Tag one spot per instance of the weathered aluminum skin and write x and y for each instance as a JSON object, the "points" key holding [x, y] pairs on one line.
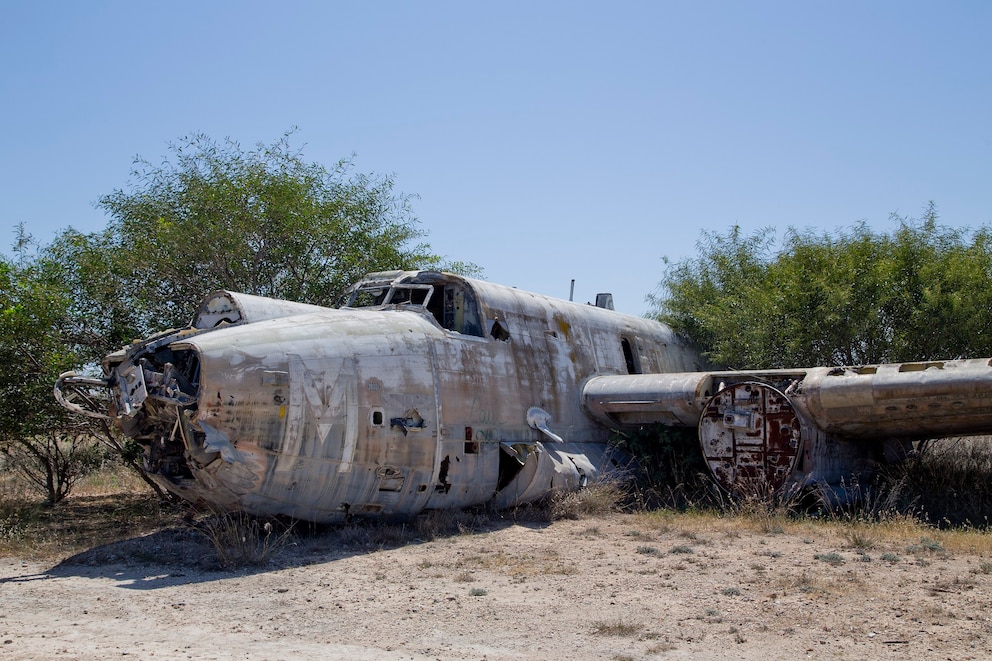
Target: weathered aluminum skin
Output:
{"points": [[425, 390], [429, 390]]}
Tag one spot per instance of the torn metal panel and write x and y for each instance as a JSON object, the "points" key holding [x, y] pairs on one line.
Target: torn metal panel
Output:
{"points": [[546, 466]]}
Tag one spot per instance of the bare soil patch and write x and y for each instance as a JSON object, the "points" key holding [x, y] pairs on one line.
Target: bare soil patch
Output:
{"points": [[614, 586]]}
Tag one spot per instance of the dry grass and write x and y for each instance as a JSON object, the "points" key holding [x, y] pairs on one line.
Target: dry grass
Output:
{"points": [[947, 483], [113, 504], [861, 536], [617, 627], [517, 564], [597, 498], [896, 532], [240, 539], [807, 583], [107, 506]]}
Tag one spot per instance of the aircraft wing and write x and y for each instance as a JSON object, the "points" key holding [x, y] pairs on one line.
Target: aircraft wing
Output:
{"points": [[807, 425]]}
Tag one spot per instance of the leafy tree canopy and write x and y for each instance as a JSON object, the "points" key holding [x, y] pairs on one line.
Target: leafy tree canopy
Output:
{"points": [[37, 342], [216, 216], [922, 291], [41, 336]]}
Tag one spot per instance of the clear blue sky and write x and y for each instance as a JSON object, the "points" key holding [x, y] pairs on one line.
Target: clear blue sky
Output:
{"points": [[546, 140]]}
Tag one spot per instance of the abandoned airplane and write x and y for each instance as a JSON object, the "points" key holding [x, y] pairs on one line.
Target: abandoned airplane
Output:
{"points": [[426, 390]]}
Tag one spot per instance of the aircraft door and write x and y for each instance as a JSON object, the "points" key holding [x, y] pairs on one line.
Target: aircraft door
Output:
{"points": [[401, 419]]}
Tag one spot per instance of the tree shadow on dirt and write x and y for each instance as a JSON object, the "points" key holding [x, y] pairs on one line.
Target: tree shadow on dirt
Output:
{"points": [[181, 555]]}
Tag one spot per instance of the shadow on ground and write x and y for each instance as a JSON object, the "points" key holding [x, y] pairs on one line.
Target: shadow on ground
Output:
{"points": [[179, 555]]}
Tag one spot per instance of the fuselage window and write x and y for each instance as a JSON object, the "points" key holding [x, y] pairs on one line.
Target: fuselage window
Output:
{"points": [[409, 295], [629, 357]]}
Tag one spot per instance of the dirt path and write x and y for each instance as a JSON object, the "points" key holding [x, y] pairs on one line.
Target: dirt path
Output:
{"points": [[614, 587]]}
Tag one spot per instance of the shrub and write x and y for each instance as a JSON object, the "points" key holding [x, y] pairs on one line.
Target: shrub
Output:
{"points": [[945, 482]]}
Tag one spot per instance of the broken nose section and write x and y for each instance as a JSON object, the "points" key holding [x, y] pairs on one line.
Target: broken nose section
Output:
{"points": [[83, 395], [151, 391], [123, 393]]}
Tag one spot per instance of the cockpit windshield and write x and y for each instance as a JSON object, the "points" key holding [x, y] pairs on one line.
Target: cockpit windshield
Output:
{"points": [[449, 300], [398, 294], [365, 298]]}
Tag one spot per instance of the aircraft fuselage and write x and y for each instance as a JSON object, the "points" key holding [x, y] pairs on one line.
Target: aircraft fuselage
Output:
{"points": [[425, 390]]}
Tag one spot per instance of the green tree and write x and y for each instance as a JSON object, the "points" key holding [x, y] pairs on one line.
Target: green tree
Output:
{"points": [[37, 437], [215, 216], [920, 292], [710, 297]]}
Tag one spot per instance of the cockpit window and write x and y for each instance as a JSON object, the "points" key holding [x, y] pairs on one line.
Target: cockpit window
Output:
{"points": [[409, 294], [364, 298], [452, 304], [396, 295]]}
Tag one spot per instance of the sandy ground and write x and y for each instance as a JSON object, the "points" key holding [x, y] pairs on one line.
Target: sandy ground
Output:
{"points": [[610, 587]]}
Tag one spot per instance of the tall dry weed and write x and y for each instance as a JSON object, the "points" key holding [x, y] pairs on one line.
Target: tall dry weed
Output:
{"points": [[241, 539]]}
